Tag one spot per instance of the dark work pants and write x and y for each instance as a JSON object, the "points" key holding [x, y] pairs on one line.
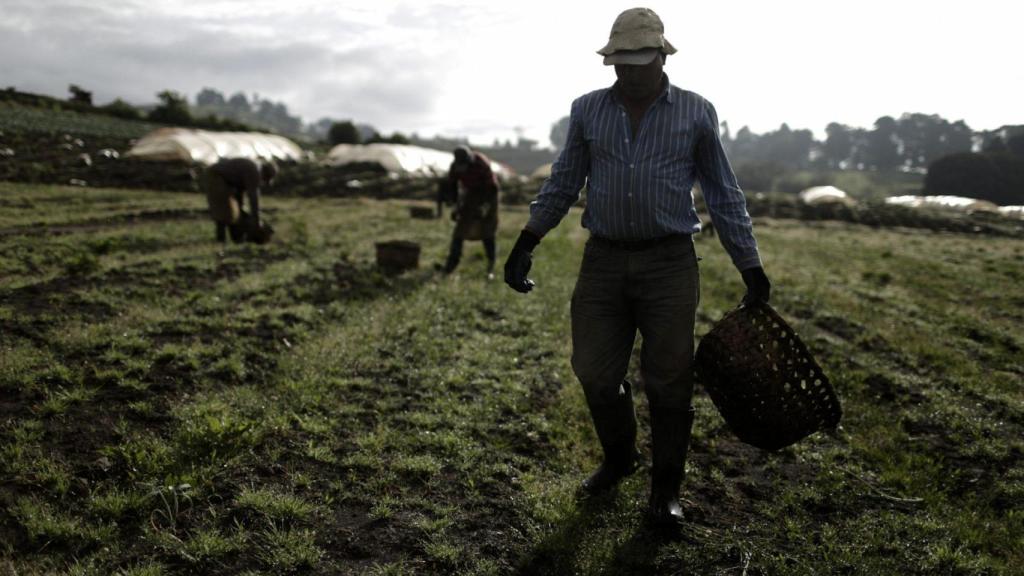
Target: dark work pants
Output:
{"points": [[455, 253], [619, 292], [235, 231]]}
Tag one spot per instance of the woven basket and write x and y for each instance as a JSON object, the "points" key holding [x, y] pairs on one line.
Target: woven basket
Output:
{"points": [[763, 380], [422, 212], [397, 256]]}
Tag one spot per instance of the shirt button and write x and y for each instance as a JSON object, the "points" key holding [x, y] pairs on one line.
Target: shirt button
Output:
{"points": [[627, 140], [630, 194], [630, 165]]}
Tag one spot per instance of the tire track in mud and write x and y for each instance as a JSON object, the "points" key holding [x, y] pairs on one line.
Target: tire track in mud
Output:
{"points": [[93, 224]]}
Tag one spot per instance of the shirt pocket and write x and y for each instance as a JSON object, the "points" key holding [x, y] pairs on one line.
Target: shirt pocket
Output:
{"points": [[672, 156], [606, 142]]}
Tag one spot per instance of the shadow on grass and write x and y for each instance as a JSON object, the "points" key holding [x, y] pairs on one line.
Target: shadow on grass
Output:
{"points": [[595, 521]]}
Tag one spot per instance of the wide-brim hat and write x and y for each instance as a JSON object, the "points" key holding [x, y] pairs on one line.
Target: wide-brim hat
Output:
{"points": [[634, 32], [632, 57]]}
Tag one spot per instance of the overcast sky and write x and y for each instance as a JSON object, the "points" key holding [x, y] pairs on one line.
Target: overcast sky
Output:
{"points": [[494, 69]]}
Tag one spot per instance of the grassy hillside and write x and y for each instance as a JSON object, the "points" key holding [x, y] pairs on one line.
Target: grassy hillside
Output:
{"points": [[167, 409]]}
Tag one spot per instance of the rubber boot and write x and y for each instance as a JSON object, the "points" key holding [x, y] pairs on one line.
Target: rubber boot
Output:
{"points": [[670, 439], [615, 423]]}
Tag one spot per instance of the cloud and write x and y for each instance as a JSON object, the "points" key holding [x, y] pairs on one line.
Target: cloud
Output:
{"points": [[123, 50]]}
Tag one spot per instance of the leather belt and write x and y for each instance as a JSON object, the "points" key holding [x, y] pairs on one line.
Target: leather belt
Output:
{"points": [[637, 245]]}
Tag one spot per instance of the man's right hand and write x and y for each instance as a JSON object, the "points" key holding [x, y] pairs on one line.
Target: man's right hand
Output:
{"points": [[759, 289], [519, 261]]}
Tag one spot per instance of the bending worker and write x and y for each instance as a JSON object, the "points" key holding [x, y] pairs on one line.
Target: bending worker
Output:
{"points": [[639, 146], [476, 213], [226, 184]]}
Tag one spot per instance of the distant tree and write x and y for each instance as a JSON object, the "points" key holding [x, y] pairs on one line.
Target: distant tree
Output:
{"points": [[859, 144], [801, 142], [318, 130], [559, 132], [239, 104], [956, 137], [883, 145], [783, 147], [786, 147], [257, 113], [926, 137], [173, 109], [838, 147], [343, 133], [275, 116], [366, 132], [758, 176], [208, 97], [122, 109], [743, 148], [79, 95]]}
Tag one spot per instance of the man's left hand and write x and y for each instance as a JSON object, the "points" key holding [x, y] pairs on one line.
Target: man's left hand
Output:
{"points": [[759, 289]]}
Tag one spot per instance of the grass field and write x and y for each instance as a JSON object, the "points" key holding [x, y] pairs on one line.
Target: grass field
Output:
{"points": [[286, 409]]}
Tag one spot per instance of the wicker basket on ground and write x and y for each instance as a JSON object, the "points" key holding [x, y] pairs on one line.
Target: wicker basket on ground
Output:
{"points": [[397, 256], [422, 212], [763, 380]]}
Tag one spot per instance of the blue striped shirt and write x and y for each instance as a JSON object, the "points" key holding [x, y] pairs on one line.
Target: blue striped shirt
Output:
{"points": [[639, 188]]}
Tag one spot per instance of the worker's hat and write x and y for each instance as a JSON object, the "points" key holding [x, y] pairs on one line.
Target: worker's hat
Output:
{"points": [[637, 37]]}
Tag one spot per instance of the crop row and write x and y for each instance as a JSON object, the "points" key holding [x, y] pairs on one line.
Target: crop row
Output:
{"points": [[15, 118]]}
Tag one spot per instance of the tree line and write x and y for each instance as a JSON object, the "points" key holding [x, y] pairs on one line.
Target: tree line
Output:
{"points": [[910, 143]]}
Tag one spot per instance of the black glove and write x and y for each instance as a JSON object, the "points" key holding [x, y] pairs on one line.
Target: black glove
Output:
{"points": [[759, 289], [519, 260]]}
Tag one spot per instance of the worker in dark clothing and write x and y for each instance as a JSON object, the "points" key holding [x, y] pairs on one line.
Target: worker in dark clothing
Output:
{"points": [[476, 212], [227, 184], [639, 146], [447, 194]]}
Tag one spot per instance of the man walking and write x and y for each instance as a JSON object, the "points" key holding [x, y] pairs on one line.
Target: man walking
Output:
{"points": [[639, 147]]}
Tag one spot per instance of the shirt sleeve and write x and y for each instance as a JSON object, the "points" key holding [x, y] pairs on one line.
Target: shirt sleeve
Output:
{"points": [[723, 196], [568, 175]]}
